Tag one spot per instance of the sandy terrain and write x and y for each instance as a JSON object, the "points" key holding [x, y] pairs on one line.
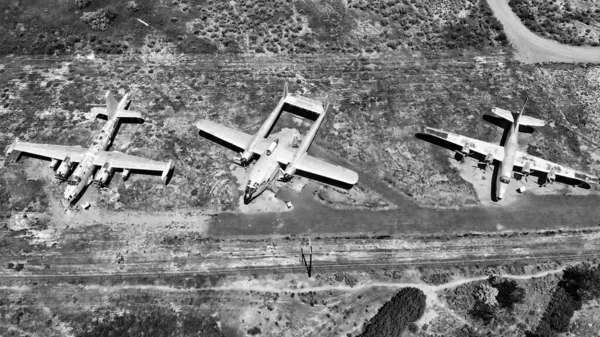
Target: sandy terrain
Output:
{"points": [[532, 48]]}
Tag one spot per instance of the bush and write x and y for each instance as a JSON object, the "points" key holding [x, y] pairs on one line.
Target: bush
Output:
{"points": [[509, 292], [397, 314], [99, 19], [579, 283], [82, 3]]}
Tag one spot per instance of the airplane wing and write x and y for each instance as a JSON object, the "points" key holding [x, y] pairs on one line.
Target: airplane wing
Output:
{"points": [[312, 165], [234, 137], [128, 162], [308, 164], [563, 174], [59, 152], [461, 142]]}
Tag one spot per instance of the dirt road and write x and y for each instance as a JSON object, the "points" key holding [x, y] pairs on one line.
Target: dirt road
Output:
{"points": [[532, 48]]}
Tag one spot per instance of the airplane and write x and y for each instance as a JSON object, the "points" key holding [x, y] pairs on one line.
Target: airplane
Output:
{"points": [[273, 153], [96, 158], [510, 159]]}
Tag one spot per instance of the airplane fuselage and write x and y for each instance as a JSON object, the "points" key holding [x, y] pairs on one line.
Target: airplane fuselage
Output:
{"points": [[83, 174], [507, 164], [262, 173]]}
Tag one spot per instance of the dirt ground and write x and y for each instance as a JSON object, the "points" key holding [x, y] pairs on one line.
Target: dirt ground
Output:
{"points": [[532, 48], [191, 258]]}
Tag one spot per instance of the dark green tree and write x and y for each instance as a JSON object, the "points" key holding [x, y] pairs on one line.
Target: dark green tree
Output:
{"points": [[395, 316]]}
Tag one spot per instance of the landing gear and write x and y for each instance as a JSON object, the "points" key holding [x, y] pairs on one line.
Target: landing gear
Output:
{"points": [[526, 170], [489, 160], [550, 178], [464, 152]]}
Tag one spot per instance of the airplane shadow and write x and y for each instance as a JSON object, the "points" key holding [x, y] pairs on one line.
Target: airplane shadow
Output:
{"points": [[144, 172], [219, 141], [300, 112], [453, 147], [504, 124], [324, 180]]}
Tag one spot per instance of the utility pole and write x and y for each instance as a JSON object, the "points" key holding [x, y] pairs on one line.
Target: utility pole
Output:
{"points": [[307, 265]]}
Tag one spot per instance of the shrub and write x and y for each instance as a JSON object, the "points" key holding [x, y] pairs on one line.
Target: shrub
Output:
{"points": [[82, 3], [99, 19], [509, 292], [397, 314]]}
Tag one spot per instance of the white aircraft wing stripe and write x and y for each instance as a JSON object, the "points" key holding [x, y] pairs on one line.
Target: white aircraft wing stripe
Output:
{"points": [[59, 152], [234, 137], [479, 146], [126, 161], [321, 168]]}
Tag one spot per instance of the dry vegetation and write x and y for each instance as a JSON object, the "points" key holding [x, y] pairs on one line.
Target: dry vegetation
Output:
{"points": [[290, 304], [255, 27], [574, 22]]}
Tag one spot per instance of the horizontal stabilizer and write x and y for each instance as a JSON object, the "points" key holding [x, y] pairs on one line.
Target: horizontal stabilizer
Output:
{"points": [[120, 113], [530, 121], [167, 170], [504, 114], [304, 103], [523, 120]]}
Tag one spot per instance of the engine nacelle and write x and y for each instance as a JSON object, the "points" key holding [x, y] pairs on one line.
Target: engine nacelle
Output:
{"points": [[53, 164], [272, 147], [289, 172], [551, 176], [295, 142], [245, 157], [526, 170], [103, 175], [125, 174], [464, 152], [63, 171]]}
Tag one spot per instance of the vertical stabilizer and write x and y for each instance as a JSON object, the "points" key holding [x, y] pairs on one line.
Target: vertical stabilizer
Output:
{"points": [[517, 116], [326, 105], [285, 90], [124, 103], [111, 105]]}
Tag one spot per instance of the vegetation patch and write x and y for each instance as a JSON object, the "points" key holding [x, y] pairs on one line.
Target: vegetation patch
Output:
{"points": [[574, 22], [407, 306], [580, 283], [256, 27]]}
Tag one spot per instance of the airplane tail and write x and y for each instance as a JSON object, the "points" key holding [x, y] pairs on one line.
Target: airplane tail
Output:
{"points": [[518, 117], [117, 110], [111, 105]]}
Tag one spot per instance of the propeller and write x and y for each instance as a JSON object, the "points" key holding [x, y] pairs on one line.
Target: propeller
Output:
{"points": [[285, 177], [489, 159]]}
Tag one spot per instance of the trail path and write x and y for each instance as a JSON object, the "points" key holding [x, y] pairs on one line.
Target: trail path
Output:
{"points": [[532, 48], [434, 304], [277, 286]]}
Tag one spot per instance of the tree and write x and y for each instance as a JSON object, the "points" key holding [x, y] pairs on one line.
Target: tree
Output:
{"points": [[395, 316], [485, 302], [509, 292]]}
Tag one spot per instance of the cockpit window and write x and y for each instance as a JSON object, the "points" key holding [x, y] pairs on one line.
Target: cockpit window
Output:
{"points": [[74, 181], [504, 180]]}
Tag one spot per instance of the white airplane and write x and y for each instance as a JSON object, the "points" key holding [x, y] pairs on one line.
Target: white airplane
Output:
{"points": [[95, 156], [273, 154], [510, 159]]}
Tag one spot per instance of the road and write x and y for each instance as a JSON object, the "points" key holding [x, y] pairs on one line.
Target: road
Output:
{"points": [[532, 48], [252, 256]]}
